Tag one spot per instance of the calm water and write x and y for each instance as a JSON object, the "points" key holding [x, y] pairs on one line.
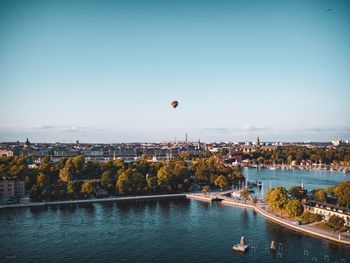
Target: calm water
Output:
{"points": [[286, 178], [157, 231]]}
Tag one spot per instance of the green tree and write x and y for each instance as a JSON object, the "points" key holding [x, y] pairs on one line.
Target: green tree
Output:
{"points": [[245, 194], [108, 181], [342, 192], [308, 217], [320, 195], [164, 178], [277, 198], [151, 184], [294, 207], [296, 192], [221, 182], [335, 222], [130, 181]]}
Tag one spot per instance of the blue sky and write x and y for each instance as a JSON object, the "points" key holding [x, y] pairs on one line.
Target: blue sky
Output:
{"points": [[106, 71]]}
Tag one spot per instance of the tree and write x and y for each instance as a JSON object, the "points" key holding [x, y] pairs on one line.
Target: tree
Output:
{"points": [[342, 192], [320, 195], [308, 217], [107, 181], [335, 222], [78, 162], [294, 207], [124, 183], [88, 188], [130, 181], [296, 192], [277, 198], [245, 194], [164, 177], [68, 171], [221, 182], [42, 180], [151, 184], [205, 190]]}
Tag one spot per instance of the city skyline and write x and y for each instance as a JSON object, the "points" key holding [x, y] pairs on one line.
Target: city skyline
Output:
{"points": [[108, 71]]}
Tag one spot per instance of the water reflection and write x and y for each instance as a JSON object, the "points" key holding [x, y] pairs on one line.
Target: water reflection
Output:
{"points": [[164, 207], [244, 217], [89, 208], [36, 210]]}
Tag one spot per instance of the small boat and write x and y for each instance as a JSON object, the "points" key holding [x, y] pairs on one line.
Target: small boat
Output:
{"points": [[259, 184], [241, 247], [273, 246]]}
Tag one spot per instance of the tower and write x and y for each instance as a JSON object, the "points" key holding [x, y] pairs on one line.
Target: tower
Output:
{"points": [[258, 142], [27, 144], [302, 185]]}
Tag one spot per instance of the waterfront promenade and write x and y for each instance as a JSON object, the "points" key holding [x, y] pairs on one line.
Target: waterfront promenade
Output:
{"points": [[96, 200], [262, 209]]}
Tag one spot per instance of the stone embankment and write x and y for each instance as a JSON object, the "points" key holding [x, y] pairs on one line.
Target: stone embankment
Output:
{"points": [[262, 209]]}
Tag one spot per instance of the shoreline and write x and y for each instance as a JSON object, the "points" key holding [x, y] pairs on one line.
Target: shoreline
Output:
{"points": [[342, 169], [260, 209], [95, 200]]}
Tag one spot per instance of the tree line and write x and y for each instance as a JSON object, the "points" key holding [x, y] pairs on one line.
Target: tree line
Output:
{"points": [[289, 154], [75, 177]]}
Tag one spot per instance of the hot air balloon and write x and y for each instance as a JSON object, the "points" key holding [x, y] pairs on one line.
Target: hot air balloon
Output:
{"points": [[174, 104]]}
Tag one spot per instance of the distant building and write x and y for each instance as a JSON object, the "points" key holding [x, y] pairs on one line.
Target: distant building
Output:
{"points": [[337, 142], [7, 153], [12, 188], [326, 210], [248, 148]]}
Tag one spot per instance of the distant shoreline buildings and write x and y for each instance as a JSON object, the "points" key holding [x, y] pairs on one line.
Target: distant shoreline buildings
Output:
{"points": [[159, 150]]}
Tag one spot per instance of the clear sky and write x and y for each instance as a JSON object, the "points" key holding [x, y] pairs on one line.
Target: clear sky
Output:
{"points": [[107, 71]]}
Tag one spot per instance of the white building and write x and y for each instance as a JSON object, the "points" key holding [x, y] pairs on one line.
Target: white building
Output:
{"points": [[326, 210]]}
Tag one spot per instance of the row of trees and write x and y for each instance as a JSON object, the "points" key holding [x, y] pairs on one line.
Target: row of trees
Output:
{"points": [[75, 178], [290, 201], [288, 154], [340, 192]]}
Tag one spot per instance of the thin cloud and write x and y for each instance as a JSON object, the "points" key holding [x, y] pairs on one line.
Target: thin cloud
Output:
{"points": [[249, 127], [328, 129], [43, 127], [72, 129]]}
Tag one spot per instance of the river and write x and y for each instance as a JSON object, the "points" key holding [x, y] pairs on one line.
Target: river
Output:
{"points": [[160, 231]]}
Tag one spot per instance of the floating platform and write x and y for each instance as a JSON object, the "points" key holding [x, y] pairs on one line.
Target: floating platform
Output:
{"points": [[240, 248]]}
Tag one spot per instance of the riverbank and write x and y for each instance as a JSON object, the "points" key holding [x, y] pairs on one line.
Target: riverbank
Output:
{"points": [[95, 200], [328, 168], [261, 208]]}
